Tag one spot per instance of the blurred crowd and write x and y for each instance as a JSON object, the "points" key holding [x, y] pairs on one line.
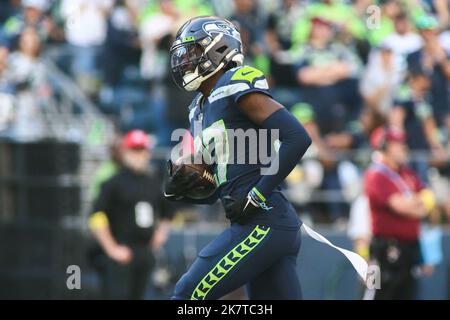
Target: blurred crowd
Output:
{"points": [[343, 68]]}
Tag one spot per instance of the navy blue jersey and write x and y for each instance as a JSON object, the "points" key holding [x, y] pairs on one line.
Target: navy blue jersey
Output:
{"points": [[238, 162]]}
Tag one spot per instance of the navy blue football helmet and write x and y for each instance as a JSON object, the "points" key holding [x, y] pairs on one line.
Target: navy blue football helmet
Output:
{"points": [[203, 46]]}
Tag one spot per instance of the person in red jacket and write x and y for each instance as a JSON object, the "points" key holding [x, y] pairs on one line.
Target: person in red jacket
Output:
{"points": [[396, 200]]}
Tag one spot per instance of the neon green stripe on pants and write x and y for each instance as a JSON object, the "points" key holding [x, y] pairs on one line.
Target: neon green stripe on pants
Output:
{"points": [[229, 261]]}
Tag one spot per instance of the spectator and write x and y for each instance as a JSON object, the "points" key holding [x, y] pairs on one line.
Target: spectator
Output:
{"points": [[381, 78], [251, 26], [343, 16], [159, 22], [396, 200], [155, 32], [278, 36], [330, 181], [307, 176], [404, 40], [356, 137], [327, 72], [122, 47], [33, 14], [86, 26], [27, 73], [128, 222], [26, 68], [413, 112], [434, 61]]}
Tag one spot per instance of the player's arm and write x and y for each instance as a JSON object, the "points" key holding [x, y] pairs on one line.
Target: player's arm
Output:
{"points": [[269, 114]]}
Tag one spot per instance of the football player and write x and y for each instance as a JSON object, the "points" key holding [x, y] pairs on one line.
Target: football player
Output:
{"points": [[260, 247]]}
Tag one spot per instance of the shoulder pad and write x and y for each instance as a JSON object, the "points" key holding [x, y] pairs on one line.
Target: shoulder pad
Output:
{"points": [[247, 73]]}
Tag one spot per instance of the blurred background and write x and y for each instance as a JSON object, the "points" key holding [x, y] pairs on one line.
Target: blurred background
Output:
{"points": [[76, 75]]}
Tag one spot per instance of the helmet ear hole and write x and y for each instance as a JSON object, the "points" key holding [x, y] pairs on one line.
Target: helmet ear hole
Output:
{"points": [[221, 49]]}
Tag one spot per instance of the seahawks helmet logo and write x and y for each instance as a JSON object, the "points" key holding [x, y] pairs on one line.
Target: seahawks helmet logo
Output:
{"points": [[220, 27]]}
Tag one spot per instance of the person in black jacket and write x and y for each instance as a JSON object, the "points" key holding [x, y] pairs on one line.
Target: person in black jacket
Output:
{"points": [[129, 222]]}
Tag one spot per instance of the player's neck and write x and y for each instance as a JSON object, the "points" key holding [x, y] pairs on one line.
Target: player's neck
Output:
{"points": [[208, 85]]}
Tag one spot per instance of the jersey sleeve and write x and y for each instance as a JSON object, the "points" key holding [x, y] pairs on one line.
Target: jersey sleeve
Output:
{"points": [[246, 80]]}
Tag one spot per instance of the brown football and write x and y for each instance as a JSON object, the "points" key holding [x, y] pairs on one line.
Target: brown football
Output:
{"points": [[206, 184]]}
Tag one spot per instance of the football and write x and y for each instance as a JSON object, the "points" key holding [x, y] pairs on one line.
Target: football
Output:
{"points": [[207, 183]]}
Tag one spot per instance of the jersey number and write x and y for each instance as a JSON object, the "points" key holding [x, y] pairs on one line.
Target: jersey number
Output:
{"points": [[215, 139]]}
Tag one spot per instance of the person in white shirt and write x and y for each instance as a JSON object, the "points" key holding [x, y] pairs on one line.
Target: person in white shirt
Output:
{"points": [[404, 40], [381, 78], [27, 73], [85, 21], [152, 30], [85, 31]]}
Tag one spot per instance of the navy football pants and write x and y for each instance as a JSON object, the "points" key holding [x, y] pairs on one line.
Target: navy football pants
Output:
{"points": [[260, 257]]}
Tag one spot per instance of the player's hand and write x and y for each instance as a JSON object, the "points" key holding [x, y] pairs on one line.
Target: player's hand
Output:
{"points": [[240, 211], [121, 254], [178, 184]]}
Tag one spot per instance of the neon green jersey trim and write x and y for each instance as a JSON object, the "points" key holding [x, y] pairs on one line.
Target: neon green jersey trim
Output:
{"points": [[259, 194]]}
